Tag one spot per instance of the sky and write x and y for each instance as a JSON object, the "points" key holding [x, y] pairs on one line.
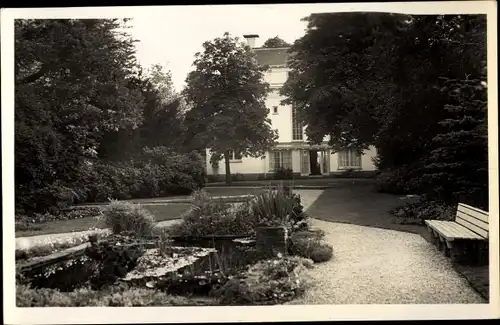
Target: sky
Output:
{"points": [[173, 36]]}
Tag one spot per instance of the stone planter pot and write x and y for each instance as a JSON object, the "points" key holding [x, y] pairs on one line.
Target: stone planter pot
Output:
{"points": [[271, 241]]}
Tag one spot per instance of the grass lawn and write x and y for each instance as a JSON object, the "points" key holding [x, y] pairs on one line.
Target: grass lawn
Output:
{"points": [[215, 191], [360, 205], [161, 212]]}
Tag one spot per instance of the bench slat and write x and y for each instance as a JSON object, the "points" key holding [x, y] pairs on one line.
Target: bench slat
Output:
{"points": [[476, 222], [473, 212], [478, 230], [445, 228], [452, 230], [481, 224]]}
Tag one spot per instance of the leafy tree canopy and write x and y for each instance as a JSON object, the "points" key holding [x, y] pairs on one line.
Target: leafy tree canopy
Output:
{"points": [[377, 79], [227, 93], [275, 42], [71, 85]]}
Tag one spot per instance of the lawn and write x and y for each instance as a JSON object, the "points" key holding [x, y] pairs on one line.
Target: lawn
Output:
{"points": [[234, 191], [161, 212]]}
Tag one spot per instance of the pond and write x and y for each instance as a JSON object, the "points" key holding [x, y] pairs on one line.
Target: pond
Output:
{"points": [[193, 267]]}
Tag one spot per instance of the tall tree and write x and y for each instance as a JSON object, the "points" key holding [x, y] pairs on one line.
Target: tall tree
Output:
{"points": [[274, 42], [163, 119], [71, 85], [376, 79], [227, 93], [337, 75], [457, 166]]}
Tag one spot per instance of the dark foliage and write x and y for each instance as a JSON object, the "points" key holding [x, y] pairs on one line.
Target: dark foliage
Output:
{"points": [[113, 261], [283, 173]]}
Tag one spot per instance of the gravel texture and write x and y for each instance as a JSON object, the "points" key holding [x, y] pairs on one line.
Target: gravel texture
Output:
{"points": [[379, 266]]}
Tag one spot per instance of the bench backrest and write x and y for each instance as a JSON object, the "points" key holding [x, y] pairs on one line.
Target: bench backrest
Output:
{"points": [[473, 218]]}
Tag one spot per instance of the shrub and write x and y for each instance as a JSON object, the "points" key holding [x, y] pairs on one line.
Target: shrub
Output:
{"points": [[37, 218], [159, 172], [280, 207], [402, 180], [128, 217], [237, 177], [209, 217], [283, 173], [273, 207], [309, 245], [114, 296], [418, 212], [271, 281]]}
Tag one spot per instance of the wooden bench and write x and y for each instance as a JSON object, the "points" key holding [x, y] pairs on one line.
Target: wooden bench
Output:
{"points": [[466, 238]]}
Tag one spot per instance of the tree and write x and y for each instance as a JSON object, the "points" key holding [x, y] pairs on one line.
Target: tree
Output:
{"points": [[457, 166], [275, 42], [227, 93], [339, 77], [376, 79], [71, 85], [162, 124]]}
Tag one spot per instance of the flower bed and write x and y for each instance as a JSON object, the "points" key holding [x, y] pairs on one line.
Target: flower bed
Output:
{"points": [[211, 263]]}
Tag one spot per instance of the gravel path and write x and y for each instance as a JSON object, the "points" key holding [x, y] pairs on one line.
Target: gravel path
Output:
{"points": [[379, 266]]}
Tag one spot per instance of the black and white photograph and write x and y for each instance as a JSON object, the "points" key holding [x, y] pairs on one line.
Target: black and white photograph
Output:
{"points": [[335, 156]]}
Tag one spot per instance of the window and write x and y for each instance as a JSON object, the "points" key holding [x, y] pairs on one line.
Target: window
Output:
{"points": [[275, 109], [349, 158], [280, 159], [234, 156], [297, 128]]}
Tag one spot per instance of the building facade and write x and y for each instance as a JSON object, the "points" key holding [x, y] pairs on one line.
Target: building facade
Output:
{"points": [[292, 150]]}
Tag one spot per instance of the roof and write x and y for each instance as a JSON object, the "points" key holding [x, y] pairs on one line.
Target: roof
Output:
{"points": [[272, 56]]}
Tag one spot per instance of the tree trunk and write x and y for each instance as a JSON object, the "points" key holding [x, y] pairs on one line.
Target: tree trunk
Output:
{"points": [[228, 167]]}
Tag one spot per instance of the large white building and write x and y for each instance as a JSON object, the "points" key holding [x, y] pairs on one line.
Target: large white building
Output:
{"points": [[292, 151]]}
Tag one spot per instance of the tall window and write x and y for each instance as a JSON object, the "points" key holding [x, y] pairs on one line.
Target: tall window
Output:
{"points": [[297, 128], [234, 156], [349, 158], [280, 159]]}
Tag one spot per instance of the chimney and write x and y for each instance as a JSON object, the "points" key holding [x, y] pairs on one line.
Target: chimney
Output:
{"points": [[251, 39]]}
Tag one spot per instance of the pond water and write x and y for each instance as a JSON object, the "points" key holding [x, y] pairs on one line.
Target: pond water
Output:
{"points": [[184, 267]]}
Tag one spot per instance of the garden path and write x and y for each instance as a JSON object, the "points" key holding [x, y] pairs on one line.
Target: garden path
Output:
{"points": [[381, 266]]}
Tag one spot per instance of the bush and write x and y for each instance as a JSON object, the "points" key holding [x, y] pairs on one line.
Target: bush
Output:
{"points": [[37, 218], [403, 180], [112, 297], [127, 217], [280, 207], [418, 212], [268, 282], [209, 217], [309, 245], [283, 173]]}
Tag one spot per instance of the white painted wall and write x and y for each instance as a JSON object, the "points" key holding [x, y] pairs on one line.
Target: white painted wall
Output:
{"points": [[282, 121], [366, 160], [246, 165]]}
